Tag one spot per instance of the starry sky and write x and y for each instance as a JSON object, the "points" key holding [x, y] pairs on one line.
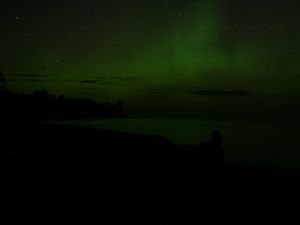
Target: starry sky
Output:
{"points": [[182, 58]]}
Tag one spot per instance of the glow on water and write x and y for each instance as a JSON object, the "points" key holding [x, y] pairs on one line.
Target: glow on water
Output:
{"points": [[245, 141]]}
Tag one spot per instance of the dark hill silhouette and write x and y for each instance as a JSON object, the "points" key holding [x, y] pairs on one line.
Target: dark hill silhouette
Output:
{"points": [[40, 105], [54, 141]]}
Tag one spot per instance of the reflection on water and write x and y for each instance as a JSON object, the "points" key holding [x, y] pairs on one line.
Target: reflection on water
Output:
{"points": [[244, 141]]}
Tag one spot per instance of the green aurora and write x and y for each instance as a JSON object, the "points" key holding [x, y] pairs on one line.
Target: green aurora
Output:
{"points": [[154, 51]]}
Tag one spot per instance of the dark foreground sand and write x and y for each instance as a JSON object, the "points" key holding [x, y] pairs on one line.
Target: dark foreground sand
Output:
{"points": [[64, 175]]}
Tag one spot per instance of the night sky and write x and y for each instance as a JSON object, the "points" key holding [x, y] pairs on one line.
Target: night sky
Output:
{"points": [[163, 58]]}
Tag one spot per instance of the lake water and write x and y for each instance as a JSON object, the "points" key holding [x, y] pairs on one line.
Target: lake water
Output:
{"points": [[275, 143]]}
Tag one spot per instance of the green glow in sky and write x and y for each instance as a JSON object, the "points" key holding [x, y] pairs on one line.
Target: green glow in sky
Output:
{"points": [[120, 49]]}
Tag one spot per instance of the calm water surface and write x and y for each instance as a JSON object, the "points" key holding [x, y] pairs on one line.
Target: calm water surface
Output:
{"points": [[244, 141]]}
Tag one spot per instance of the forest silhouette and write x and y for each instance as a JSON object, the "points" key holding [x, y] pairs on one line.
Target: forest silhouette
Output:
{"points": [[40, 105]]}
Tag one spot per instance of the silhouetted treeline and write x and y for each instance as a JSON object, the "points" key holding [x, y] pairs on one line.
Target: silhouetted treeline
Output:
{"points": [[41, 105]]}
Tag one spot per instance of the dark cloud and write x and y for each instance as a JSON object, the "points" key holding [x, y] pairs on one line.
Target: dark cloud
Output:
{"points": [[105, 80], [116, 78], [88, 81], [29, 75], [101, 79], [221, 93], [213, 93], [32, 80]]}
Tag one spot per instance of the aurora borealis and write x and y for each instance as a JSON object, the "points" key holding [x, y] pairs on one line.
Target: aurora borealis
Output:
{"points": [[155, 51]]}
